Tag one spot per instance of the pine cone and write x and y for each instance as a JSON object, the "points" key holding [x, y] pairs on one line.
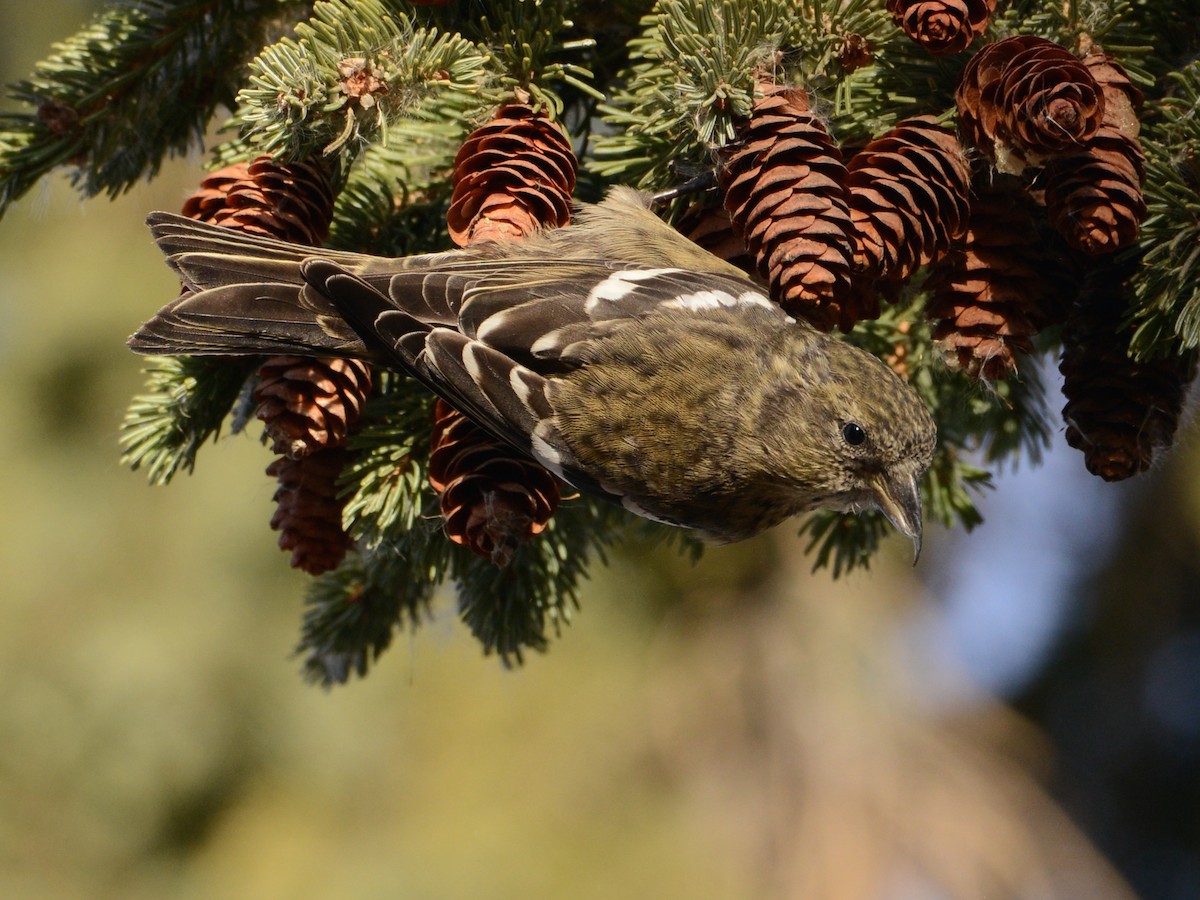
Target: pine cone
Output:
{"points": [[512, 176], [784, 187], [1120, 412], [308, 403], [855, 53], [991, 293], [292, 201], [308, 512], [942, 26], [1025, 99], [210, 199], [1094, 197], [492, 500], [908, 195]]}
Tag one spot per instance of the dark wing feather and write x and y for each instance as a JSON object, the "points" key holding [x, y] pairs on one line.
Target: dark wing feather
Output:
{"points": [[207, 255], [493, 389], [249, 319]]}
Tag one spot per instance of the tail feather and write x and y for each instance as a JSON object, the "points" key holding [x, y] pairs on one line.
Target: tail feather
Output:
{"points": [[249, 319], [207, 255], [245, 294], [363, 310]]}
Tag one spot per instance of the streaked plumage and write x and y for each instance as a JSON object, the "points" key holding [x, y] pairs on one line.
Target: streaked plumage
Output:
{"points": [[618, 354]]}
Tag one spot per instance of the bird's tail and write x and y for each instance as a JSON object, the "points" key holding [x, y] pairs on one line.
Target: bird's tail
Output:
{"points": [[243, 294]]}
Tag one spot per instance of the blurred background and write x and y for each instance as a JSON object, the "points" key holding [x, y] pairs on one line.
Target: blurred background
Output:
{"points": [[1019, 716]]}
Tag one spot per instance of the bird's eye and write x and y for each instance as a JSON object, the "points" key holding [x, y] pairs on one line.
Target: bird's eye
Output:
{"points": [[853, 433]]}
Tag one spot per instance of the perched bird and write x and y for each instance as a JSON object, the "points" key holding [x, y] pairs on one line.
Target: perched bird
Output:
{"points": [[618, 354]]}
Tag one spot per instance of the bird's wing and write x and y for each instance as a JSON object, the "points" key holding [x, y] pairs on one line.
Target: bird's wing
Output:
{"points": [[543, 313], [496, 391]]}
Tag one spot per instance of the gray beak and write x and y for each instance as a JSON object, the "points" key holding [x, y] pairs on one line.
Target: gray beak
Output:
{"points": [[898, 497]]}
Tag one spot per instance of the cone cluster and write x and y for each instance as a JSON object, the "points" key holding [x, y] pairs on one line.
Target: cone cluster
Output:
{"points": [[513, 175], [1070, 125], [307, 405], [1058, 179], [830, 237], [1026, 99], [1066, 129], [1094, 197]]}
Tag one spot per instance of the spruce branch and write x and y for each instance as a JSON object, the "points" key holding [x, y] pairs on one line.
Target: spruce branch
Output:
{"points": [[402, 553], [386, 481], [691, 81], [513, 609], [389, 97], [395, 199], [354, 611], [843, 542], [351, 69], [528, 50], [186, 400], [136, 85], [1167, 289]]}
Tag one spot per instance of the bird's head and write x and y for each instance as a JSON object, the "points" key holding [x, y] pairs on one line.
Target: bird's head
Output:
{"points": [[849, 434]]}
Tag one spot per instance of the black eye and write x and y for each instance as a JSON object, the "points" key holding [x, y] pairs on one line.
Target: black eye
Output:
{"points": [[853, 433]]}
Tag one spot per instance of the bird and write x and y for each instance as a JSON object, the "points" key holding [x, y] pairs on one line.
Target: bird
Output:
{"points": [[621, 356]]}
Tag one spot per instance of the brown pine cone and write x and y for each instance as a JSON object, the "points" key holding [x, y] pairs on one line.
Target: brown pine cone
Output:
{"points": [[309, 403], [1094, 197], [492, 500], [991, 293], [308, 511], [210, 199], [784, 187], [1024, 99], [291, 201], [856, 52], [942, 26], [512, 176], [909, 199], [1120, 412]]}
